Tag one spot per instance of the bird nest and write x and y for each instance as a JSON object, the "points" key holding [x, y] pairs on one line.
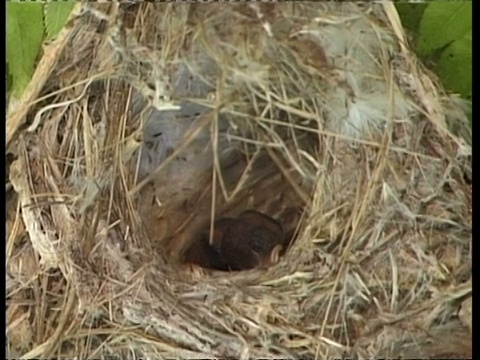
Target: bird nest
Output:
{"points": [[146, 123]]}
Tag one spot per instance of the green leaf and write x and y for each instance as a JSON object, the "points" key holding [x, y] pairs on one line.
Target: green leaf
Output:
{"points": [[442, 23], [9, 79], [24, 40], [410, 14], [455, 66], [56, 15]]}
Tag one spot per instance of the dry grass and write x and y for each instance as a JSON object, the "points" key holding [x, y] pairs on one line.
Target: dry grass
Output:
{"points": [[326, 109]]}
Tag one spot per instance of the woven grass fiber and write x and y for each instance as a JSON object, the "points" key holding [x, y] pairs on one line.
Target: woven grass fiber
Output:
{"points": [[144, 122]]}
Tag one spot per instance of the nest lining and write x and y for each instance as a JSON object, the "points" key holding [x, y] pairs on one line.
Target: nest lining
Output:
{"points": [[379, 261]]}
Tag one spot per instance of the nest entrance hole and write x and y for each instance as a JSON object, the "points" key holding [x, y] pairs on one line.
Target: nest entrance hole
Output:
{"points": [[253, 229]]}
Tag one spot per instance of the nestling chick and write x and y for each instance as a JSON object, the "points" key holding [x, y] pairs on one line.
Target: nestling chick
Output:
{"points": [[253, 240], [207, 255]]}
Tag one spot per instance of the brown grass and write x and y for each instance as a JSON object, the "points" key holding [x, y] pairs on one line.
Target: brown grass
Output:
{"points": [[382, 260]]}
